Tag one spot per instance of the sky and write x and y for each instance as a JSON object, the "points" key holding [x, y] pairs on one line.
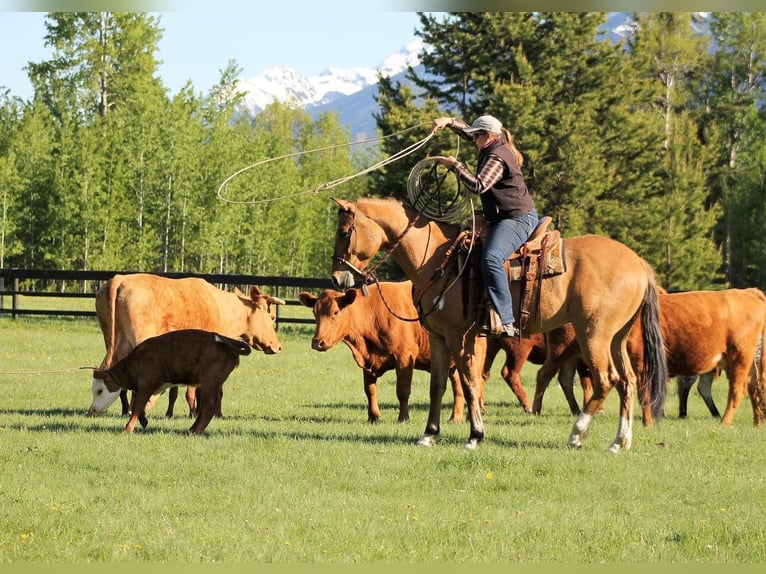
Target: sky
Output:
{"points": [[199, 41]]}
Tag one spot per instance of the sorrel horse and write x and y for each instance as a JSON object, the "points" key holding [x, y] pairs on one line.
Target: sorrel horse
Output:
{"points": [[604, 288]]}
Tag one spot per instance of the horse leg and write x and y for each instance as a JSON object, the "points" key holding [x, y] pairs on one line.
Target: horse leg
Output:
{"points": [[685, 385], [470, 361], [440, 363], [458, 404], [599, 368], [705, 390], [371, 392], [403, 388]]}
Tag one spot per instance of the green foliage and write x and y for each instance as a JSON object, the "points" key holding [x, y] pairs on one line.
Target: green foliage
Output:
{"points": [[654, 141]]}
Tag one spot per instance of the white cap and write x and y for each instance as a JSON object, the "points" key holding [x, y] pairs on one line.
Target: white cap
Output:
{"points": [[485, 124]]}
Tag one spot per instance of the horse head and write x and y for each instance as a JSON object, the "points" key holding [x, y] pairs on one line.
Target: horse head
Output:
{"points": [[356, 243]]}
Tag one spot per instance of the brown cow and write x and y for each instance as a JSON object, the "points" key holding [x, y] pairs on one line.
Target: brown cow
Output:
{"points": [[704, 331], [191, 357], [378, 339], [134, 307], [534, 349]]}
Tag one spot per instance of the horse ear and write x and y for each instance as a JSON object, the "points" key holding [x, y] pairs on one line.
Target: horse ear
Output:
{"points": [[344, 205]]}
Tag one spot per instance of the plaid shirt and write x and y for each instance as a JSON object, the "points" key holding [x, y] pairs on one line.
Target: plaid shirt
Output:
{"points": [[490, 173]]}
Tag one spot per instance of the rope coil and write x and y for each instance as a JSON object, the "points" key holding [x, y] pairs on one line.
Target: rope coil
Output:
{"points": [[433, 193]]}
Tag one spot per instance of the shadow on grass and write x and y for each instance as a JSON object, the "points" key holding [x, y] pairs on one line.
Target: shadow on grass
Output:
{"points": [[68, 420]]}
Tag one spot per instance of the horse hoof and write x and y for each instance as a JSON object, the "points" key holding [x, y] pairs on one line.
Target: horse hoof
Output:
{"points": [[427, 440], [614, 448], [472, 444]]}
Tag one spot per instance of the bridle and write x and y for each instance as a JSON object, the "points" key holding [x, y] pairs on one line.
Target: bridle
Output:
{"points": [[369, 277]]}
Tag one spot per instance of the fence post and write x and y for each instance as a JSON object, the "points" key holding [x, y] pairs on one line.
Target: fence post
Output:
{"points": [[15, 298]]}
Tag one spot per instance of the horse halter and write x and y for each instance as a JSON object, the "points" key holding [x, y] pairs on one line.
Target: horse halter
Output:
{"points": [[348, 234]]}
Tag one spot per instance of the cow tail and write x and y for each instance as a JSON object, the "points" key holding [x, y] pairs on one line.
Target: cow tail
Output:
{"points": [[239, 346], [114, 284], [655, 371]]}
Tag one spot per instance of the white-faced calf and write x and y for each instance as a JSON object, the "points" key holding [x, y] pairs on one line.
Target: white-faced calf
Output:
{"points": [[193, 357]]}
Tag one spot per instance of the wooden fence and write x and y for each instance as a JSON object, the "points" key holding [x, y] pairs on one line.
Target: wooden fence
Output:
{"points": [[16, 284]]}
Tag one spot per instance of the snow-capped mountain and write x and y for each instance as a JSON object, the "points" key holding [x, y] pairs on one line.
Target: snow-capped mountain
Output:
{"points": [[351, 93], [286, 85]]}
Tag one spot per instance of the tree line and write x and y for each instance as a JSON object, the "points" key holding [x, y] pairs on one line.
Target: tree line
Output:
{"points": [[655, 140]]}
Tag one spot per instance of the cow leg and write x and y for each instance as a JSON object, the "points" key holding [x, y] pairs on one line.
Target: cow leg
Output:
{"points": [[403, 389], [209, 402], [705, 390], [124, 402], [191, 400], [566, 382], [371, 392], [172, 397], [684, 384], [458, 398], [138, 410], [545, 373], [512, 378], [738, 375]]}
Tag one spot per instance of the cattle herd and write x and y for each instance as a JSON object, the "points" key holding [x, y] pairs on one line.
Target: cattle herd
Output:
{"points": [[160, 333]]}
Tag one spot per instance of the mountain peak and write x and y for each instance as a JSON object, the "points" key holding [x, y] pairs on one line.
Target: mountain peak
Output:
{"points": [[285, 84]]}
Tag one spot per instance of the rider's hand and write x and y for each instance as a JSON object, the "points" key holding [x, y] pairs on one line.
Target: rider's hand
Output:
{"points": [[440, 123], [448, 162]]}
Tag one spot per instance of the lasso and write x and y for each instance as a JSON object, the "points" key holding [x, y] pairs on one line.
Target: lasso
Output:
{"points": [[327, 185]]}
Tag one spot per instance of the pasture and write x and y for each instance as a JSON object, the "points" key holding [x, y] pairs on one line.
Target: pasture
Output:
{"points": [[295, 474]]}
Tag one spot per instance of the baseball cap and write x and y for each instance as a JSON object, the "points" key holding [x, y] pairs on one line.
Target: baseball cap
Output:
{"points": [[485, 124]]}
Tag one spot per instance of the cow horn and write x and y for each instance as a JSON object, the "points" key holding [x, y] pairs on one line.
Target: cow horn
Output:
{"points": [[275, 300]]}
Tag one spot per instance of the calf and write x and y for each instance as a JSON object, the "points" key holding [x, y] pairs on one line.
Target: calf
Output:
{"points": [[379, 340], [200, 359]]}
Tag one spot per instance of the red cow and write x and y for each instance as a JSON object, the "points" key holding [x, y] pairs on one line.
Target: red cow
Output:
{"points": [[703, 331], [378, 339], [134, 307]]}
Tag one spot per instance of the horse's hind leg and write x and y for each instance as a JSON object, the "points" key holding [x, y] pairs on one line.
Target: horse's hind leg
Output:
{"points": [[599, 367]]}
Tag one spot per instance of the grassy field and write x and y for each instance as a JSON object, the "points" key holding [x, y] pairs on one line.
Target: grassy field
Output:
{"points": [[294, 474]]}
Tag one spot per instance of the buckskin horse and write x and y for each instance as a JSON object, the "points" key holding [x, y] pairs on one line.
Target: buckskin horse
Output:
{"points": [[604, 287]]}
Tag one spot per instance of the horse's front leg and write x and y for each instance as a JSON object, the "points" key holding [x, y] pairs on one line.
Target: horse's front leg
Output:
{"points": [[440, 364], [470, 363]]}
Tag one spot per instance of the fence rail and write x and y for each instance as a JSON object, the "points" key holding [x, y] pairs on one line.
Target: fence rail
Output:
{"points": [[84, 284]]}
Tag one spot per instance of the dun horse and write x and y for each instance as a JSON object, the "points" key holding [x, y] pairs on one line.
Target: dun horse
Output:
{"points": [[604, 288]]}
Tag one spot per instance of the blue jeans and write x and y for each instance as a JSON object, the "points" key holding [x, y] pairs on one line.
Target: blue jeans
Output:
{"points": [[504, 238]]}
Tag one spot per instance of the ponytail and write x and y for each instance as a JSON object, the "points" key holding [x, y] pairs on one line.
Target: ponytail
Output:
{"points": [[508, 141]]}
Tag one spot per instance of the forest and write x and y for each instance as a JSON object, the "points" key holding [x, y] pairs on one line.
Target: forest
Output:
{"points": [[655, 140]]}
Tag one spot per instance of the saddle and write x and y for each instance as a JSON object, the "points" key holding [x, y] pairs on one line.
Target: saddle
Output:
{"points": [[542, 255]]}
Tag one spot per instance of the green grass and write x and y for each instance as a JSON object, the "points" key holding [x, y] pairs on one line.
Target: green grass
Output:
{"points": [[294, 473]]}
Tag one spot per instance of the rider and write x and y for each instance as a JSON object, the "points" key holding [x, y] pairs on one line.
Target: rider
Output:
{"points": [[507, 205]]}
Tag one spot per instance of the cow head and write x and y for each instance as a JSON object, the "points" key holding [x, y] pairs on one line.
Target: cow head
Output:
{"points": [[260, 332], [105, 390], [332, 323]]}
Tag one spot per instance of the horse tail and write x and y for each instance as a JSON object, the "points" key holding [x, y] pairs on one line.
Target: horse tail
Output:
{"points": [[655, 372]]}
